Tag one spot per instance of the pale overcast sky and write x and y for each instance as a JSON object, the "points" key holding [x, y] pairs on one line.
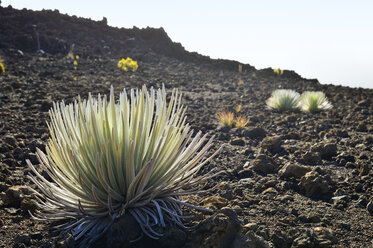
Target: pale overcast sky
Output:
{"points": [[331, 40]]}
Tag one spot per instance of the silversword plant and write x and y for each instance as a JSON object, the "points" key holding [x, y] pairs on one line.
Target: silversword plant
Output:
{"points": [[108, 158], [283, 99], [312, 101]]}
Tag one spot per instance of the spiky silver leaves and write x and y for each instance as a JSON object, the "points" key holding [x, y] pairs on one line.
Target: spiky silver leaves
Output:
{"points": [[106, 159]]}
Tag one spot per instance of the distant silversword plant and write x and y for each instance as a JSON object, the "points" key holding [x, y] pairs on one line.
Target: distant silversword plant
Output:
{"points": [[312, 101], [107, 158], [283, 99]]}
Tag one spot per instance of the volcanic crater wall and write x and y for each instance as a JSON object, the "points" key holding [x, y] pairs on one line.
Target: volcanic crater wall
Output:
{"points": [[59, 32]]}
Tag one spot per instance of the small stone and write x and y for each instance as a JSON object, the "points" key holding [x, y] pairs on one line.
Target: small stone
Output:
{"points": [[28, 205], [363, 156], [272, 144], [313, 184], [223, 186], [316, 237], [362, 202], [350, 165], [347, 157], [311, 158], [270, 191], [245, 173], [342, 134], [36, 144], [219, 230], [327, 151], [345, 226], [325, 236], [264, 164], [254, 119], [11, 210], [368, 140], [23, 239], [250, 226], [359, 188], [15, 194], [291, 118], [36, 235], [32, 157], [248, 152], [293, 171], [255, 133], [279, 239], [46, 105], [238, 142], [215, 202], [253, 240], [224, 136], [11, 141], [292, 136], [340, 202], [10, 162], [362, 127]]}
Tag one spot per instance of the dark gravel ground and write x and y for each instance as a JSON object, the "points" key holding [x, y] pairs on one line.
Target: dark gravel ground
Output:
{"points": [[289, 179]]}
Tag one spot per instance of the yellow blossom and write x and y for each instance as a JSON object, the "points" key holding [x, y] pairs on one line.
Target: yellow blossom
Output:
{"points": [[238, 108], [127, 64], [278, 71], [2, 67]]}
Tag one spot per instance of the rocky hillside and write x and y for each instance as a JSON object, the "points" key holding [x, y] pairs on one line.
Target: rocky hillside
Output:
{"points": [[288, 179]]}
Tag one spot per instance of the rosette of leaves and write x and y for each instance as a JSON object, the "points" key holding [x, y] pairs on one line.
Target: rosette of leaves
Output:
{"points": [[283, 99], [226, 118], [136, 156], [313, 101]]}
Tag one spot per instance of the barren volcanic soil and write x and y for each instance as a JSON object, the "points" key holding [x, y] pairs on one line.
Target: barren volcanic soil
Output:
{"points": [[289, 179]]}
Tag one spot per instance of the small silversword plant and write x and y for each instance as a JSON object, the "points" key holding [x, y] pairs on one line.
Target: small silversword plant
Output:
{"points": [[108, 158], [313, 101], [283, 99]]}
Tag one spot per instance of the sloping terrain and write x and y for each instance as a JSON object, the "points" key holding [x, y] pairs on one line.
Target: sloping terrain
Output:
{"points": [[288, 179]]}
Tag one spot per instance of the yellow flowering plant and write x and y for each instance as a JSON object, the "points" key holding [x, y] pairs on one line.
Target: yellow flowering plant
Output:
{"points": [[238, 107], [278, 71], [2, 67], [127, 64]]}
